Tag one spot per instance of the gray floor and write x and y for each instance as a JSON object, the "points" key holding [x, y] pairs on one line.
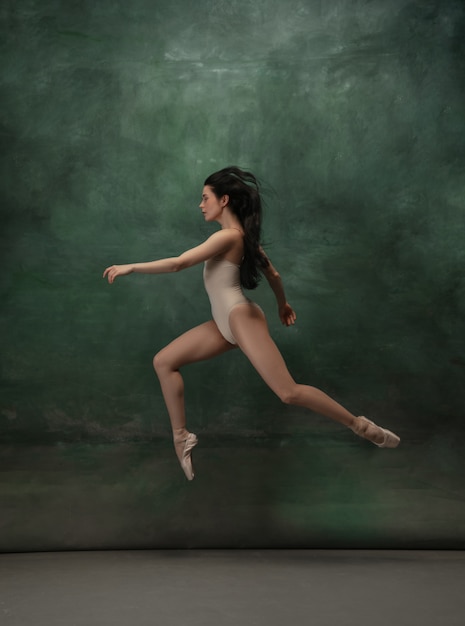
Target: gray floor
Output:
{"points": [[199, 588]]}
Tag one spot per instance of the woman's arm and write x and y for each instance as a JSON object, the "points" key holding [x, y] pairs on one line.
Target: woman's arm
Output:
{"points": [[285, 311], [218, 243]]}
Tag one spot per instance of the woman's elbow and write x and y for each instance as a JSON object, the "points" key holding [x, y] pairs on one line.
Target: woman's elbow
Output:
{"points": [[180, 264], [273, 276]]}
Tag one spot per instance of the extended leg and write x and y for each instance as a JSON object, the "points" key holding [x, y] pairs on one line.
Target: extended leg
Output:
{"points": [[250, 330]]}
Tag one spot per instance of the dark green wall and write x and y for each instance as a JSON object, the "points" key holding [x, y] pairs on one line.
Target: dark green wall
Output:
{"points": [[113, 113]]}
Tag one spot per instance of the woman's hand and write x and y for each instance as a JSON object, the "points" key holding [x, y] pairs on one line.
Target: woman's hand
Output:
{"points": [[117, 270], [287, 314]]}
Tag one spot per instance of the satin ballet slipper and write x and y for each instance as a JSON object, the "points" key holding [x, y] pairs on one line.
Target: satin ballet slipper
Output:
{"points": [[362, 425], [184, 451]]}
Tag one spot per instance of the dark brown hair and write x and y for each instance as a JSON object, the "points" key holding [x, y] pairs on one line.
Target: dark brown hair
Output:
{"points": [[245, 202]]}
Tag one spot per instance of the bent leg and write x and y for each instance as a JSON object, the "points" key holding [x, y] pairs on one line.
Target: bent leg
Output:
{"points": [[198, 344]]}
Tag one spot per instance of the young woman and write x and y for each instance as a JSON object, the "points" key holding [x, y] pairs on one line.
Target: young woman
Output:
{"points": [[234, 259]]}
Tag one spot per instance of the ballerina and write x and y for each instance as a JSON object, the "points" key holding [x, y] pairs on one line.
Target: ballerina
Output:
{"points": [[233, 258]]}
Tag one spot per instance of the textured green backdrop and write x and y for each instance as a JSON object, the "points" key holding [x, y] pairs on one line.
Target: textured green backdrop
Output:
{"points": [[113, 113]]}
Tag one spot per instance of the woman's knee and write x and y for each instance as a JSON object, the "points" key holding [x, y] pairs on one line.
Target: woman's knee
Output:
{"points": [[161, 362], [289, 395]]}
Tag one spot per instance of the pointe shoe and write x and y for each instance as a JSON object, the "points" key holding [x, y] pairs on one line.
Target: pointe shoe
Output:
{"points": [[186, 455], [391, 440]]}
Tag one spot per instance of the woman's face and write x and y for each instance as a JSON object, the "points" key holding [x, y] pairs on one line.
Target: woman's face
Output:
{"points": [[211, 206]]}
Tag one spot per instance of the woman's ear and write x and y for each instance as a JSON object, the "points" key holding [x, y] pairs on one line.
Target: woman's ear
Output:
{"points": [[225, 200]]}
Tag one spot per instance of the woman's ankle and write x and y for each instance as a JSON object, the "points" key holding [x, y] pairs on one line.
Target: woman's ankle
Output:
{"points": [[180, 434]]}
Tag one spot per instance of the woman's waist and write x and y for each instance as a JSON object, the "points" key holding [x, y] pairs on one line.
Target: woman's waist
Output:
{"points": [[226, 297]]}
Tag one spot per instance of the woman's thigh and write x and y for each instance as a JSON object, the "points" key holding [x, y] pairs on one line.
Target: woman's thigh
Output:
{"points": [[198, 344], [250, 329]]}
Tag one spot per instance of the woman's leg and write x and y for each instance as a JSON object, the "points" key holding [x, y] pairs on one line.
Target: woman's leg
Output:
{"points": [[198, 344], [250, 329]]}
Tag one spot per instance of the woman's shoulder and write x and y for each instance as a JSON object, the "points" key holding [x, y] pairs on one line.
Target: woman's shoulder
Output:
{"points": [[230, 242], [228, 234]]}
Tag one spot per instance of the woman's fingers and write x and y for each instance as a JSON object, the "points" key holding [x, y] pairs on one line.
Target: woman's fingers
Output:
{"points": [[111, 273]]}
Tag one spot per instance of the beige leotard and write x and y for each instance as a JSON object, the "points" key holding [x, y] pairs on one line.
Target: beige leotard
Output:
{"points": [[223, 285]]}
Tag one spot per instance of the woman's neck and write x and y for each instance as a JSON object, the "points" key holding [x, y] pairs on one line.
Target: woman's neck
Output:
{"points": [[228, 220]]}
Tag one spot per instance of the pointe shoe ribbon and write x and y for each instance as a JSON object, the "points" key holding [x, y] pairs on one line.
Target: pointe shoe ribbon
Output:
{"points": [[186, 455], [391, 440]]}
